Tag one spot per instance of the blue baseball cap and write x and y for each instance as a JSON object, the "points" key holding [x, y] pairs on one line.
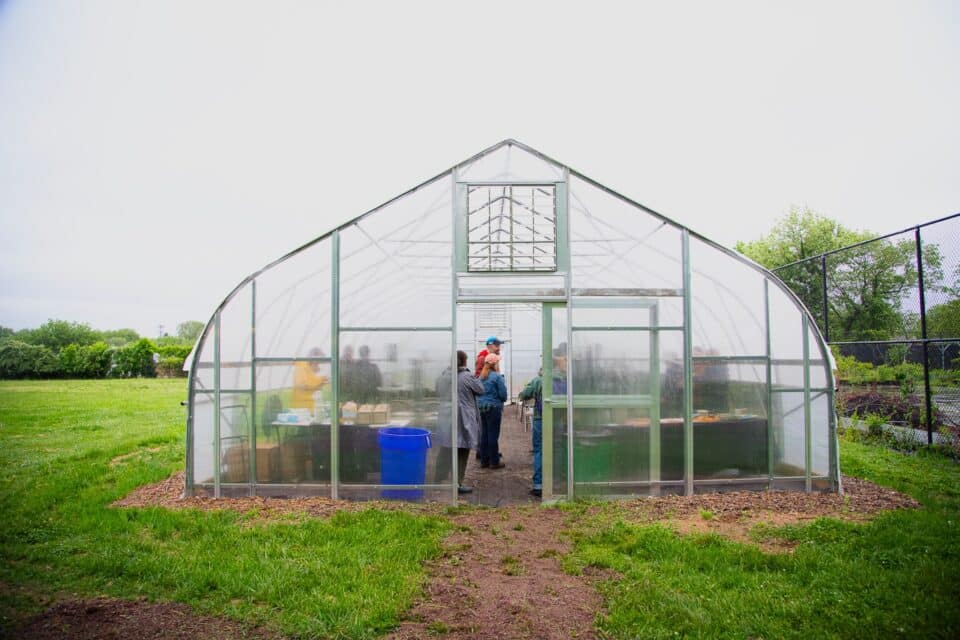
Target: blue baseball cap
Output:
{"points": [[494, 340]]}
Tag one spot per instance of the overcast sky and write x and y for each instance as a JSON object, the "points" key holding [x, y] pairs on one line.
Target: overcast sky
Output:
{"points": [[154, 153]]}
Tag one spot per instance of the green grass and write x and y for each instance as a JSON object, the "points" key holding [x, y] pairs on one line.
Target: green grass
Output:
{"points": [[350, 576], [897, 576], [353, 575]]}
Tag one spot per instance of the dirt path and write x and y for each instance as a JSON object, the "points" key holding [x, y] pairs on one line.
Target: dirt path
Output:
{"points": [[511, 485], [500, 577]]}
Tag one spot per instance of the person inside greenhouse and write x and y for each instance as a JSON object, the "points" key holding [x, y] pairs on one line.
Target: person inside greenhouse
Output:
{"points": [[534, 391], [468, 421], [491, 412], [368, 378], [347, 374], [306, 381], [493, 346]]}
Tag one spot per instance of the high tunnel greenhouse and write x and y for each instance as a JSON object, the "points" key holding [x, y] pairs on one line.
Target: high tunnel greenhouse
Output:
{"points": [[677, 365]]}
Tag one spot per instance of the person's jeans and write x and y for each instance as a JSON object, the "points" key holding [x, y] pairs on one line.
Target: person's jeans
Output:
{"points": [[538, 452], [490, 435]]}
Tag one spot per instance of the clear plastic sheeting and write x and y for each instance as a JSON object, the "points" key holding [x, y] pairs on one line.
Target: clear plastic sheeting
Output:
{"points": [[510, 163], [393, 379], [235, 340], [668, 364], [729, 419], [293, 304], [617, 245], [294, 414], [728, 311], [395, 263]]}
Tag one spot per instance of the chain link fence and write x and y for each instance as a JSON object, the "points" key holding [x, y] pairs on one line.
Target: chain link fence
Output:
{"points": [[890, 308]]}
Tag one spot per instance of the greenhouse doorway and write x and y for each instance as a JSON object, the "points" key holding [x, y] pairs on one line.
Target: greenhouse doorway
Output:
{"points": [[521, 326]]}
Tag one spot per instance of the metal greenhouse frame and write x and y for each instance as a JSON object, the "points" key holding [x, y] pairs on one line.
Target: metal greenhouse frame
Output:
{"points": [[677, 365]]}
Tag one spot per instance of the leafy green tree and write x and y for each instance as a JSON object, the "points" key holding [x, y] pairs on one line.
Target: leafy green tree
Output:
{"points": [[866, 286], [190, 330], [56, 334], [119, 337], [943, 320], [6, 332], [800, 234]]}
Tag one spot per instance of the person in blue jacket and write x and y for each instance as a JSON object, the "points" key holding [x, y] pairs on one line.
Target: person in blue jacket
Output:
{"points": [[491, 412]]}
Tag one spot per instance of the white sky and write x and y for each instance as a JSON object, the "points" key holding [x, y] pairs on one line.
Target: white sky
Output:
{"points": [[154, 153]]}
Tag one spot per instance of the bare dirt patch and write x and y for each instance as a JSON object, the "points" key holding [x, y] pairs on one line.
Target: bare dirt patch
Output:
{"points": [[734, 515], [500, 577], [103, 618]]}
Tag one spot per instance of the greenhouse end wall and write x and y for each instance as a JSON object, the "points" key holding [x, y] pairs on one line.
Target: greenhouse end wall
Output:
{"points": [[677, 366]]}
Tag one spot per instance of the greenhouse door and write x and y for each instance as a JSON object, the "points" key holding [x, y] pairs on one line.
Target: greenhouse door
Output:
{"points": [[555, 400], [621, 445]]}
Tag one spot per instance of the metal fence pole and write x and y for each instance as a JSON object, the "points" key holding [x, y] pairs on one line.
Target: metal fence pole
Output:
{"points": [[823, 286], [923, 334]]}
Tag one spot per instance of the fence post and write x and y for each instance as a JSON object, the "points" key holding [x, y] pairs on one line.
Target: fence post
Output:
{"points": [[923, 335], [823, 289]]}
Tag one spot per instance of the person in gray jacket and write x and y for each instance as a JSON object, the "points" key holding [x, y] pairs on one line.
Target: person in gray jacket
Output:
{"points": [[468, 421]]}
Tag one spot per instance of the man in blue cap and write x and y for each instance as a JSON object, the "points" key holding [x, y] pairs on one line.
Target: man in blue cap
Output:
{"points": [[493, 346]]}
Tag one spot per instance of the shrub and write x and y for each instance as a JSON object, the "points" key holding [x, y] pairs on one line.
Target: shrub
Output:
{"points": [[95, 360], [895, 408], [134, 360], [21, 360], [171, 367], [174, 350]]}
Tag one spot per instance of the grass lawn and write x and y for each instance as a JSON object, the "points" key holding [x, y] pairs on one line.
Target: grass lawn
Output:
{"points": [[354, 575], [351, 576], [897, 576]]}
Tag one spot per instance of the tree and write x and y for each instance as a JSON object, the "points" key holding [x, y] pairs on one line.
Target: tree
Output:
{"points": [[943, 320], [801, 234], [6, 332], [866, 285], [56, 334], [119, 337], [190, 330]]}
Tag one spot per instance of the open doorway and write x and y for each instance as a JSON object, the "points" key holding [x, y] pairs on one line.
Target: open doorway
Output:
{"points": [[519, 326]]}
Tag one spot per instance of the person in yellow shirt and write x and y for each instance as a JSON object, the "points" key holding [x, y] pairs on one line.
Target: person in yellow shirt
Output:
{"points": [[307, 380]]}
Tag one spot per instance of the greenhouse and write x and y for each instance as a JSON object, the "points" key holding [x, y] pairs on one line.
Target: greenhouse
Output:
{"points": [[677, 365]]}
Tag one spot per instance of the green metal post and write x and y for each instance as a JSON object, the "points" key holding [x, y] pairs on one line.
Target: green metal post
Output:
{"points": [[562, 221], [563, 248], [687, 369], [253, 388], [807, 436], [546, 446], [216, 405], [335, 364], [458, 205], [654, 401], [770, 448]]}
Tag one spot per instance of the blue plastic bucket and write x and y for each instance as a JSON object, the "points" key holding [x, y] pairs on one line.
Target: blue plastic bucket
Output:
{"points": [[403, 460]]}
